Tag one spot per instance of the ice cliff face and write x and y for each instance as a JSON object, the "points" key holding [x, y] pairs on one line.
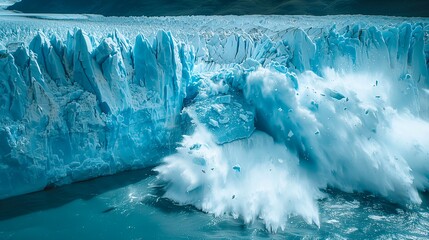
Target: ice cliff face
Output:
{"points": [[76, 109], [345, 107]]}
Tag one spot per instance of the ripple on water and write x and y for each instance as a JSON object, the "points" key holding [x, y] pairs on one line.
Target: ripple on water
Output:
{"points": [[129, 206]]}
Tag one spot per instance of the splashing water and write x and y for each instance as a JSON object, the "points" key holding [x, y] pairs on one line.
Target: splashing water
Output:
{"points": [[352, 131], [240, 178], [360, 142]]}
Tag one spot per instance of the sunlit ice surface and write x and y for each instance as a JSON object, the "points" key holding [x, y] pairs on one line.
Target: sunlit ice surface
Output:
{"points": [[285, 126]]}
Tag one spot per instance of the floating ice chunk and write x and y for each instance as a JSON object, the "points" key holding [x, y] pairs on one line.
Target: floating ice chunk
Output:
{"points": [[334, 94], [218, 108], [332, 221], [237, 104], [376, 217], [196, 146], [199, 161], [225, 99], [244, 117], [224, 120], [351, 230], [213, 123]]}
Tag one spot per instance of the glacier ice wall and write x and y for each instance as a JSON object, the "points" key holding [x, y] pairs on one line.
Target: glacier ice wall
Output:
{"points": [[302, 109], [76, 109], [346, 108]]}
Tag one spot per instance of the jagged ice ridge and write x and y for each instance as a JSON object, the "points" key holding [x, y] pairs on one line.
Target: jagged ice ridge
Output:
{"points": [[268, 119]]}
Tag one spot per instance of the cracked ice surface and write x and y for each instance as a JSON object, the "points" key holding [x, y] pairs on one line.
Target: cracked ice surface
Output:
{"points": [[315, 101]]}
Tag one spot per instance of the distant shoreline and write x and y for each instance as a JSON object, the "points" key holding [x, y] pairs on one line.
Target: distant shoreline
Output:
{"points": [[412, 8]]}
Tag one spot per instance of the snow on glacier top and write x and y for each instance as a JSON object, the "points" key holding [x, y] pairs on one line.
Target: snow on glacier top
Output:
{"points": [[83, 100], [22, 27]]}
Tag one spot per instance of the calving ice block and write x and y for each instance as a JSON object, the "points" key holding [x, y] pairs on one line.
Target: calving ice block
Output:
{"points": [[223, 113]]}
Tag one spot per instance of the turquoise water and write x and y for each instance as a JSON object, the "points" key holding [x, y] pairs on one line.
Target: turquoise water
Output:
{"points": [[129, 206]]}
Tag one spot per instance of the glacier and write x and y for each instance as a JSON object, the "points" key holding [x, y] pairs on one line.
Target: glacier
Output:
{"points": [[254, 123]]}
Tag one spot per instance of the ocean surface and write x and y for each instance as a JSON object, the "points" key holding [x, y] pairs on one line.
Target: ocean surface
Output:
{"points": [[129, 206]]}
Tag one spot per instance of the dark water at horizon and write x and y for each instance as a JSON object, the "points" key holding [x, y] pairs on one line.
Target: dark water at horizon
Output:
{"points": [[410, 8], [129, 206]]}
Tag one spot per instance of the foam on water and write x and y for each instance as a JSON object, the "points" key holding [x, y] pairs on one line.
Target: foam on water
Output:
{"points": [[123, 206], [281, 112], [371, 140], [249, 179]]}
